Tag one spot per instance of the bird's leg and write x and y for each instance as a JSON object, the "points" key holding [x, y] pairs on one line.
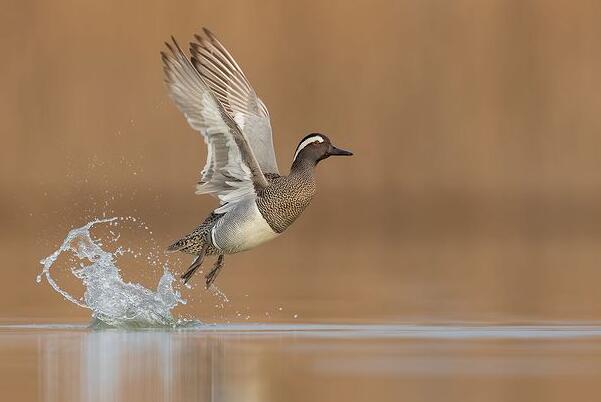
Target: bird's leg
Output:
{"points": [[196, 264], [211, 276]]}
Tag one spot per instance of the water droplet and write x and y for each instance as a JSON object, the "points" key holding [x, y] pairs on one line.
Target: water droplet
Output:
{"points": [[112, 300]]}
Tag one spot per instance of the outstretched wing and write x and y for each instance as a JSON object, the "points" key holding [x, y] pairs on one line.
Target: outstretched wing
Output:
{"points": [[229, 84], [232, 171]]}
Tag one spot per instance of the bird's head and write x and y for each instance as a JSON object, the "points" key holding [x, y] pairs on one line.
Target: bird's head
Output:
{"points": [[316, 147]]}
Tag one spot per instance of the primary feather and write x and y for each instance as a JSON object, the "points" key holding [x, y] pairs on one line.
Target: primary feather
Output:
{"points": [[231, 172], [227, 81]]}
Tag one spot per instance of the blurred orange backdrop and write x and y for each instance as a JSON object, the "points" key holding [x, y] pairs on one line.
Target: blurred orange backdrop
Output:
{"points": [[475, 189]]}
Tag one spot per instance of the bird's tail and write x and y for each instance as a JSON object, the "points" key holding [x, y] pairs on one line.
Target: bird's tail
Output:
{"points": [[187, 244], [177, 246], [193, 242]]}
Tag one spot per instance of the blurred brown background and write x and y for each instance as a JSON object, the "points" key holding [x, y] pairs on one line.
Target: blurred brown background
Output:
{"points": [[473, 194]]}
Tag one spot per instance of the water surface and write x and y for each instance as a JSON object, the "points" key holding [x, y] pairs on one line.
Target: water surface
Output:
{"points": [[137, 349], [254, 362]]}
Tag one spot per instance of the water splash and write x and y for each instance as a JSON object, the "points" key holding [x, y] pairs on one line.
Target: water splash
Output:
{"points": [[114, 302]]}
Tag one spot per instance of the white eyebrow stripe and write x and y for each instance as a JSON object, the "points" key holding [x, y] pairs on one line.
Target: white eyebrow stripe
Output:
{"points": [[306, 142]]}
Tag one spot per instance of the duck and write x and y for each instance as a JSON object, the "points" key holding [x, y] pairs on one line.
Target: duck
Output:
{"points": [[256, 202]]}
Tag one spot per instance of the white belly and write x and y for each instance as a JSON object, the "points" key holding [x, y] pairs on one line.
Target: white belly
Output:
{"points": [[242, 228]]}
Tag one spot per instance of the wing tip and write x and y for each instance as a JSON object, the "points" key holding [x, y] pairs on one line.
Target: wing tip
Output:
{"points": [[179, 49], [209, 34]]}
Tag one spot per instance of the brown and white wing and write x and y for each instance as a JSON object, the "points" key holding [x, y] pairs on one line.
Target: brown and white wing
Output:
{"points": [[222, 74], [231, 172]]}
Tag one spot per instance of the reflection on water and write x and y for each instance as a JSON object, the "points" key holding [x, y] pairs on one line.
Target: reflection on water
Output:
{"points": [[301, 363]]}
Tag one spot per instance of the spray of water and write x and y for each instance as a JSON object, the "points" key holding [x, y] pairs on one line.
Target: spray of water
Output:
{"points": [[114, 302]]}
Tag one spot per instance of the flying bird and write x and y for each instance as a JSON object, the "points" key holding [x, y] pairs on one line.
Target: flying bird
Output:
{"points": [[256, 203]]}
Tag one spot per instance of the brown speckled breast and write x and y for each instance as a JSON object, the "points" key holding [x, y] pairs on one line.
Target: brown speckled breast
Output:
{"points": [[286, 197]]}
